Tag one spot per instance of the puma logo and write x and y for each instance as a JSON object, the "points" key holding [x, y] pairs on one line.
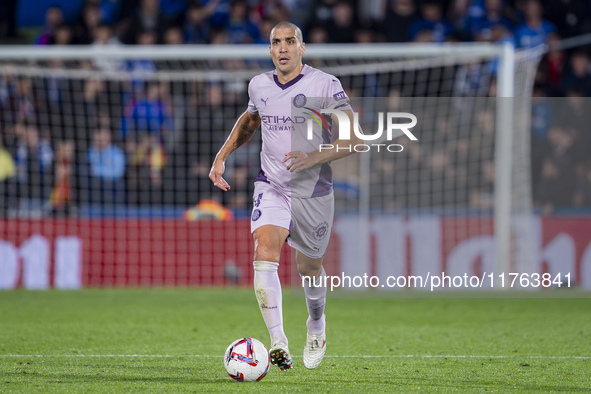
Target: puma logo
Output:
{"points": [[265, 101]]}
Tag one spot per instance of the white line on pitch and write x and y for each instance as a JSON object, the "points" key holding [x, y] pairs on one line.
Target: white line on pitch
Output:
{"points": [[328, 356]]}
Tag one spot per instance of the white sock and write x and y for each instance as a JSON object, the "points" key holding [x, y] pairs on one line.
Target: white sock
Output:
{"points": [[267, 289], [316, 300]]}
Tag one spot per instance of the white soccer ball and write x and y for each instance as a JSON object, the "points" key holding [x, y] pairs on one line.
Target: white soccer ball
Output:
{"points": [[247, 360]]}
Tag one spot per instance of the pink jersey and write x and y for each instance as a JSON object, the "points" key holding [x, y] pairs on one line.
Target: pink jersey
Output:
{"points": [[272, 101]]}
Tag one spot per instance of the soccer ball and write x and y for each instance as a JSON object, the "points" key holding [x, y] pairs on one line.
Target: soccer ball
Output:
{"points": [[247, 360]]}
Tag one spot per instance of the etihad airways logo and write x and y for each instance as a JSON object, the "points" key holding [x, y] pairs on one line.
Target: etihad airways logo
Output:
{"points": [[282, 122], [345, 129]]}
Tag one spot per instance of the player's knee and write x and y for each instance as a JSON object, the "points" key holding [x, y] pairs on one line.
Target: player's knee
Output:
{"points": [[310, 270], [266, 250], [308, 266], [268, 241]]}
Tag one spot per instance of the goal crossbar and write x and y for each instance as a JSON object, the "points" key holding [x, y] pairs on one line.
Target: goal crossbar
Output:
{"points": [[216, 52]]}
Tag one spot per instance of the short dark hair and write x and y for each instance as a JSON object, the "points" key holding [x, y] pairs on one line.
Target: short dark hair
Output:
{"points": [[288, 25]]}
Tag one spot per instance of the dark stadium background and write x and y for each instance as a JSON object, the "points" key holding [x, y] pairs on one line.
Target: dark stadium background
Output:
{"points": [[133, 22]]}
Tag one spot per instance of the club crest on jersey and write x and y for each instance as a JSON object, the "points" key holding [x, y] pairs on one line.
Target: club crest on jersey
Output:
{"points": [[299, 101], [256, 214], [320, 231]]}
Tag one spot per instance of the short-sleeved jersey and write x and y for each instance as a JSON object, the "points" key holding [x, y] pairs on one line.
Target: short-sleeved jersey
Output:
{"points": [[272, 101]]}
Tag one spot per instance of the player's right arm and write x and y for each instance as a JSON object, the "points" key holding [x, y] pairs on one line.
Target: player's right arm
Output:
{"points": [[242, 131]]}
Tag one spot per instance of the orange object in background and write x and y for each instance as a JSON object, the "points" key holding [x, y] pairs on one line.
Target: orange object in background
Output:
{"points": [[208, 209]]}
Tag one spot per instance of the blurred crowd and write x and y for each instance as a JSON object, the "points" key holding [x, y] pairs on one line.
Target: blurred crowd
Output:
{"points": [[68, 144], [527, 23], [561, 143], [148, 143]]}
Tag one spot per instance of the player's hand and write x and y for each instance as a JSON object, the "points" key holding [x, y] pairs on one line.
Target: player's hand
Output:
{"points": [[299, 160], [215, 174]]}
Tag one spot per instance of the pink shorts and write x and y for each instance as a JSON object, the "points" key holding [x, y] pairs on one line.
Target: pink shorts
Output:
{"points": [[309, 220]]}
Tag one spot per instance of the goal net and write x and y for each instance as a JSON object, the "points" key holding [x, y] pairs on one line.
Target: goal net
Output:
{"points": [[106, 155]]}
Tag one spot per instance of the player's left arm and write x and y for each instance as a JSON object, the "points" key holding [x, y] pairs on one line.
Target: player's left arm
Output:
{"points": [[339, 149]]}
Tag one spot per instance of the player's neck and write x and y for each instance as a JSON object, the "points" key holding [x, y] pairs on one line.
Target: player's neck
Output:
{"points": [[285, 78]]}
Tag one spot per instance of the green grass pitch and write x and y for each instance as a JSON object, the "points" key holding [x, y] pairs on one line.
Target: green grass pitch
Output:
{"points": [[167, 340]]}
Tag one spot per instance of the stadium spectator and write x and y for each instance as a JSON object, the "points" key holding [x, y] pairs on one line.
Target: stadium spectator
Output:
{"points": [[461, 12], [541, 116], [493, 17], [34, 164], [496, 34], [582, 198], [7, 173], [396, 24], [413, 167], [7, 166], [317, 35], [197, 25], [240, 29], [576, 116], [431, 21], [173, 36], [265, 27], [275, 11], [322, 13], [540, 122], [147, 113], [106, 168], [482, 190], [19, 104], [471, 79], [88, 21], [364, 36], [63, 36], [61, 195], [93, 106], [534, 30], [566, 144], [441, 174], [52, 96], [578, 74], [109, 9], [148, 130], [53, 19], [149, 158], [142, 66], [556, 186], [219, 36], [341, 27], [553, 65], [105, 37], [146, 18], [483, 136]]}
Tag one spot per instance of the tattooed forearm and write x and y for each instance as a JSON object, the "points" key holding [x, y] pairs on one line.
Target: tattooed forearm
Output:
{"points": [[242, 131], [241, 140], [247, 128], [243, 137]]}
